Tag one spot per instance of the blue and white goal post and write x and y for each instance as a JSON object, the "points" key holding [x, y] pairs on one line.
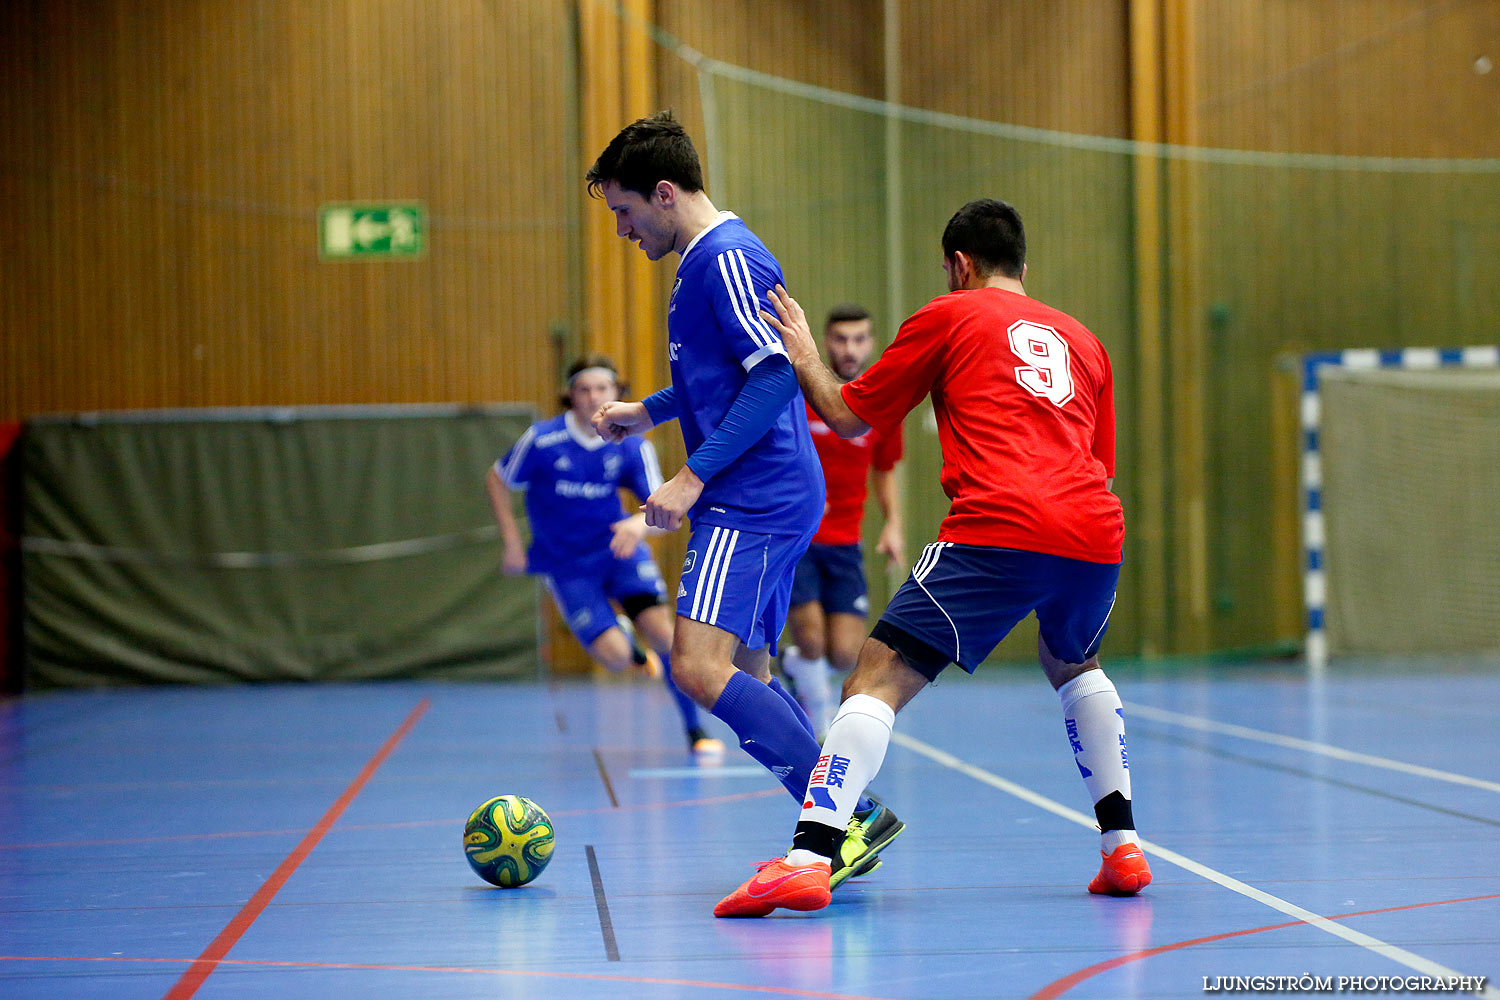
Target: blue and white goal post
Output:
{"points": [[1313, 533]]}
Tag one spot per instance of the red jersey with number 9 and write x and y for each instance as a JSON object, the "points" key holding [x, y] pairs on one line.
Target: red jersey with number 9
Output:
{"points": [[1024, 400]]}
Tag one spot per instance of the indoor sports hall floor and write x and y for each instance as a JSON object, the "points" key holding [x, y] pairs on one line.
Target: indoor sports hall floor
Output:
{"points": [[304, 842]]}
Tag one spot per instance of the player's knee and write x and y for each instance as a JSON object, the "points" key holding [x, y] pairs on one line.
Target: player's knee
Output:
{"points": [[612, 650], [843, 658], [883, 673], [656, 629], [808, 639], [696, 677]]}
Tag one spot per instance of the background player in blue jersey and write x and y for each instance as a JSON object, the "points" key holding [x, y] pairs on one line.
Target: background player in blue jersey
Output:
{"points": [[752, 485], [582, 541]]}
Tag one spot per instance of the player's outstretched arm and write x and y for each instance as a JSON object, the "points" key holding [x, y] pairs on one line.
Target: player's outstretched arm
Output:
{"points": [[513, 562], [818, 383], [892, 543]]}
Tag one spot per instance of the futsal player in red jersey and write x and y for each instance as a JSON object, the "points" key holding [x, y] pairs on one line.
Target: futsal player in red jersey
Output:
{"points": [[1024, 400], [830, 596]]}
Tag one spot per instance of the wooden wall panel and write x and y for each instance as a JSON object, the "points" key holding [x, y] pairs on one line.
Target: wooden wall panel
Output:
{"points": [[165, 164], [1375, 78], [1053, 64], [832, 43]]}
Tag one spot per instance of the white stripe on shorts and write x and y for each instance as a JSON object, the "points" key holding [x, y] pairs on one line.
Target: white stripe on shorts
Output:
{"points": [[924, 566], [734, 537], [706, 573]]}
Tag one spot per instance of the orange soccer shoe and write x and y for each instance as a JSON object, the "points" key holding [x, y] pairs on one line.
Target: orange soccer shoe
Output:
{"points": [[1124, 872], [776, 883]]}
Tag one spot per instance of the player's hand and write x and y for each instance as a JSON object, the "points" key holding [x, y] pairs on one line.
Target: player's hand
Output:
{"points": [[672, 500], [627, 538], [791, 322], [892, 543], [615, 421], [513, 563]]}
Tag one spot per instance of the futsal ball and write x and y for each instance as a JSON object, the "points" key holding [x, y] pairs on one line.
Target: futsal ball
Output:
{"points": [[508, 841]]}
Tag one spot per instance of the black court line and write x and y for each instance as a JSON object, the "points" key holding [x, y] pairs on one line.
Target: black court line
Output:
{"points": [[1147, 729], [606, 926], [604, 775]]}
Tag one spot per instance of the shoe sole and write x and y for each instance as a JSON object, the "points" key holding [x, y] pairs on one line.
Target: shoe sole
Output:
{"points": [[870, 860]]}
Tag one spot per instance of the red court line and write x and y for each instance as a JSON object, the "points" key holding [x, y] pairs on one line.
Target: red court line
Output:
{"points": [[1059, 987], [786, 991], [205, 963], [454, 821]]}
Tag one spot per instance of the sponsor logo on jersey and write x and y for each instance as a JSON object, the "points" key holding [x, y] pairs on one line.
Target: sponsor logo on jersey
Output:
{"points": [[562, 464], [862, 604], [689, 562], [585, 491], [672, 348], [612, 466]]}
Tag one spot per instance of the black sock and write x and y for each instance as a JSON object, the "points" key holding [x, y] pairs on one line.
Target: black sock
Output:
{"points": [[820, 838], [1113, 813]]}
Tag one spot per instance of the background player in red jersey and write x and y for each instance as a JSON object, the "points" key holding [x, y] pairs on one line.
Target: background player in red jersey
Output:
{"points": [[830, 597], [1024, 400]]}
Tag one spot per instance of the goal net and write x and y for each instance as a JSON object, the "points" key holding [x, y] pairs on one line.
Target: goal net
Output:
{"points": [[1411, 510]]}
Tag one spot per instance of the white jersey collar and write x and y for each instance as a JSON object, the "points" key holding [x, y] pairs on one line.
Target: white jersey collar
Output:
{"points": [[578, 434], [722, 217]]}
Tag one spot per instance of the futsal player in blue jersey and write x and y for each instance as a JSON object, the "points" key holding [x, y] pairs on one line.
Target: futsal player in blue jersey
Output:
{"points": [[582, 542], [752, 485]]}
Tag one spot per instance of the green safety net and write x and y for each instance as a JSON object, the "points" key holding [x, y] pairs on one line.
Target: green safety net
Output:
{"points": [[1257, 256], [270, 545]]}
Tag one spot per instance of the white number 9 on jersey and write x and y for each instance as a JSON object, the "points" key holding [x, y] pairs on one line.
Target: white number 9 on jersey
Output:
{"points": [[1046, 372]]}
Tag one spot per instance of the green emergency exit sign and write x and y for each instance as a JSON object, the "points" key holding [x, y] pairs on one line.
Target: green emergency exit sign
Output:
{"points": [[372, 230]]}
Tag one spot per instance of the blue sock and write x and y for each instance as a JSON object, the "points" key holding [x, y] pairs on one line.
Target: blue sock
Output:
{"points": [[797, 709], [786, 696], [801, 717], [689, 709], [769, 731]]}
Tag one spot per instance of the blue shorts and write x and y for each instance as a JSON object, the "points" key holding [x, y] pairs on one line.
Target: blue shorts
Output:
{"points": [[834, 576], [961, 600], [584, 589], [740, 581]]}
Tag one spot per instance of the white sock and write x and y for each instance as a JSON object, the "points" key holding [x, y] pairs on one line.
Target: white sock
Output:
{"points": [[1095, 722], [814, 693], [852, 755]]}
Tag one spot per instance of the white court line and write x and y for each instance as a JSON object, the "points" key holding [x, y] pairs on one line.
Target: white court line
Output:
{"points": [[1395, 954], [1293, 743]]}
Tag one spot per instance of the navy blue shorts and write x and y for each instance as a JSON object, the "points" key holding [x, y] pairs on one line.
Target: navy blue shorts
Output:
{"points": [[584, 589], [834, 576], [740, 581], [961, 600]]}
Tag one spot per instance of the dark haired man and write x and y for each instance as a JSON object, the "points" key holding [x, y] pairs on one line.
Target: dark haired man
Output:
{"points": [[751, 485], [829, 594], [1024, 401], [582, 542]]}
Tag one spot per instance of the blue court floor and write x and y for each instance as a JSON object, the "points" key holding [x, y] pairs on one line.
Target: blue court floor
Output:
{"points": [[305, 842]]}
